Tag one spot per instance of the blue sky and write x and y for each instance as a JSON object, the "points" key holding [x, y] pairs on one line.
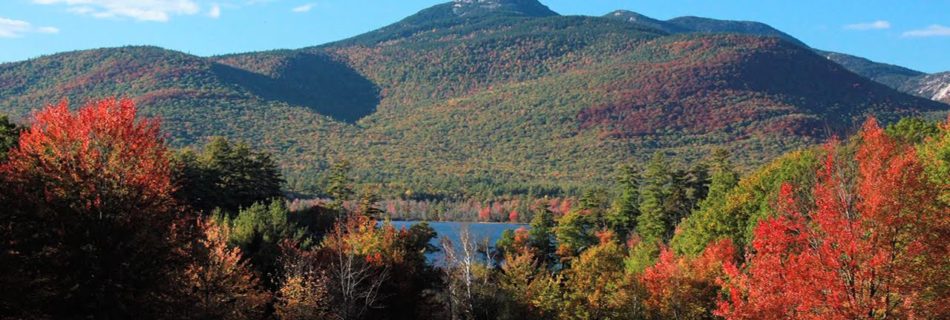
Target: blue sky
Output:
{"points": [[911, 33]]}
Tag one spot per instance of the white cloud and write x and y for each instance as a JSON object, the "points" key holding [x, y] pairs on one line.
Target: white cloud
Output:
{"points": [[215, 11], [934, 30], [875, 25], [49, 30], [10, 28], [304, 8], [142, 10]]}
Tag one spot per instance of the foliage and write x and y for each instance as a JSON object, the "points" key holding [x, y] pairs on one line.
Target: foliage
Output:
{"points": [[598, 287], [683, 287], [735, 214], [623, 213], [435, 103], [912, 130], [529, 287], [221, 283], [9, 135], [867, 248], [226, 175], [88, 216], [935, 154], [259, 231]]}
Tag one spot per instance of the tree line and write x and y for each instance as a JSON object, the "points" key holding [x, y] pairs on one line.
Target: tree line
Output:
{"points": [[102, 220]]}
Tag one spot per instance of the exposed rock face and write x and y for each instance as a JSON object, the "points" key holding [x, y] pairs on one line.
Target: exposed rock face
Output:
{"points": [[934, 86], [522, 7]]}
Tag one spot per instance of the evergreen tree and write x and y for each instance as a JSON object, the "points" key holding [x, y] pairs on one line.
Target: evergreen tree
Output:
{"points": [[653, 222], [226, 175], [540, 235], [259, 231], [339, 186], [723, 178], [9, 135], [622, 216], [594, 204]]}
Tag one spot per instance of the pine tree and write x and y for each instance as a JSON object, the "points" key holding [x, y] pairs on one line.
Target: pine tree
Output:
{"points": [[623, 214], [540, 235], [339, 186], [9, 135], [653, 222]]}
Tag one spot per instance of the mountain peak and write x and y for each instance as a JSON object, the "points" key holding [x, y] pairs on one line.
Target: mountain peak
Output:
{"points": [[521, 7]]}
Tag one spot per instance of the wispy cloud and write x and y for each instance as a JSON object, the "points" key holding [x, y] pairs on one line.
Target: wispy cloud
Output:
{"points": [[874, 25], [934, 30], [304, 8], [215, 11], [10, 28], [142, 10]]}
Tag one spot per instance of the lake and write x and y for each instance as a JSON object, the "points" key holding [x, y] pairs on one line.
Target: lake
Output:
{"points": [[479, 232]]}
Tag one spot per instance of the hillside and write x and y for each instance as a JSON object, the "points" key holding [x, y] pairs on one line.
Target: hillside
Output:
{"points": [[897, 77], [483, 97]]}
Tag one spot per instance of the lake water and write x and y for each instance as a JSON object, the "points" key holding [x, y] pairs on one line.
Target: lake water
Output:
{"points": [[479, 232]]}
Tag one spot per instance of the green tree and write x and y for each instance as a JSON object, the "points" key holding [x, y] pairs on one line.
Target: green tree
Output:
{"points": [[9, 135], [654, 220], [541, 236], [226, 175], [622, 216], [339, 186], [732, 213], [574, 233], [259, 230], [913, 130]]}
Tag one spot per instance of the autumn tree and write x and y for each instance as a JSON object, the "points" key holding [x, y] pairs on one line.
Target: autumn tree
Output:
{"points": [[598, 286], [872, 245], [304, 291], [356, 252], [87, 215], [686, 287], [527, 287], [221, 284]]}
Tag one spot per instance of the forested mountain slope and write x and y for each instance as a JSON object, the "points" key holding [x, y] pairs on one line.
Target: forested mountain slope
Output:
{"points": [[897, 77], [483, 97]]}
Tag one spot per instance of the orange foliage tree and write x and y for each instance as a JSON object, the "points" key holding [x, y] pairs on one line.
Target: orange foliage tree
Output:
{"points": [[221, 284], [684, 287], [872, 246], [89, 208]]}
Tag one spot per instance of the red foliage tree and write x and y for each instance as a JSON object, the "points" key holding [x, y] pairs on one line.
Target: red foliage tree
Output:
{"points": [[96, 159], [90, 200], [684, 287], [873, 245], [484, 214]]}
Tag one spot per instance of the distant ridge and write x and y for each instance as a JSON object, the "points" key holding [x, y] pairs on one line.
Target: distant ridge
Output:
{"points": [[897, 77]]}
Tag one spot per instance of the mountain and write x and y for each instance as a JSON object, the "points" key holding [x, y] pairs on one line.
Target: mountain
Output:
{"points": [[891, 75], [483, 98], [897, 77], [531, 8], [703, 25]]}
